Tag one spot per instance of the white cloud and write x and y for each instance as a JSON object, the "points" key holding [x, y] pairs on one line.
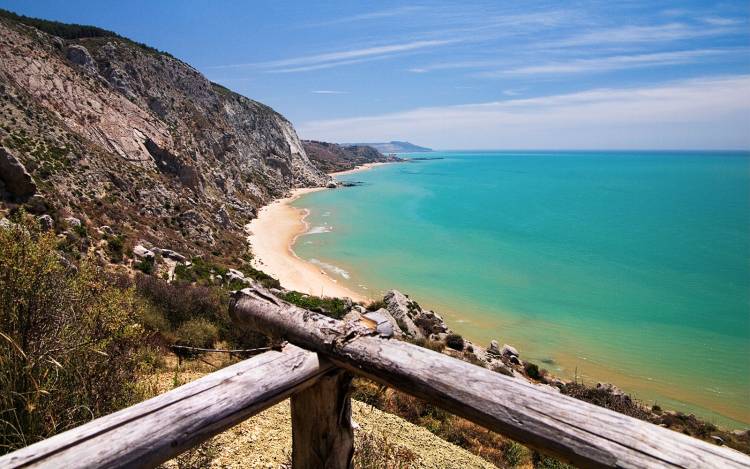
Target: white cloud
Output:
{"points": [[616, 62], [710, 112]]}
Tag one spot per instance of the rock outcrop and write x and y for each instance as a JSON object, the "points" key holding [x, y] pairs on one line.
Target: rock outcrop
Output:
{"points": [[16, 182], [332, 157]]}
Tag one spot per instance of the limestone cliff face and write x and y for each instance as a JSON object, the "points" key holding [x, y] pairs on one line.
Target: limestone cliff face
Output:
{"points": [[130, 137]]}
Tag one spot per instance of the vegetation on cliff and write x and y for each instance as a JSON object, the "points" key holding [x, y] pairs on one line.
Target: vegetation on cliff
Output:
{"points": [[332, 157], [71, 342]]}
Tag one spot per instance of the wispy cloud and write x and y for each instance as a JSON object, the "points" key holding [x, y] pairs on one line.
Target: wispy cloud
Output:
{"points": [[345, 57], [639, 35], [369, 16], [710, 112], [616, 62], [454, 65], [329, 92], [718, 21]]}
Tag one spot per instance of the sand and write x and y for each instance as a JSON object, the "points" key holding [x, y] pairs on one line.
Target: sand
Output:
{"points": [[271, 237], [358, 169]]}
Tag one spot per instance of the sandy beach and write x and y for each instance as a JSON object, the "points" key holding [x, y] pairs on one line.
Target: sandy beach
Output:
{"points": [[358, 169], [272, 235]]}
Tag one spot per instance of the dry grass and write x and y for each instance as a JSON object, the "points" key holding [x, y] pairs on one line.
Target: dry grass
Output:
{"points": [[71, 345]]}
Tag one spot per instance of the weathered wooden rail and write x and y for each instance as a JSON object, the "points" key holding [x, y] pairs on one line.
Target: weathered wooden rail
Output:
{"points": [[317, 378]]}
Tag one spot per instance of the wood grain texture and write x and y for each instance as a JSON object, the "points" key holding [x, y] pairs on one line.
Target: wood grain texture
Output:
{"points": [[159, 429], [322, 434], [573, 430]]}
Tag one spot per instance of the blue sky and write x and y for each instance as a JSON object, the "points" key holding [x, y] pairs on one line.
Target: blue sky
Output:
{"points": [[581, 74]]}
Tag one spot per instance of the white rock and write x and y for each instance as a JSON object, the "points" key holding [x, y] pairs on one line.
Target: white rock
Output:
{"points": [[141, 251], [509, 350], [72, 221]]}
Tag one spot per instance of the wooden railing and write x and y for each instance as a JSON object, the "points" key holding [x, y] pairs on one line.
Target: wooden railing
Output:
{"points": [[317, 378]]}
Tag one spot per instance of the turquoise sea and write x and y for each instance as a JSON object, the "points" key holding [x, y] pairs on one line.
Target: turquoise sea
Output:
{"points": [[627, 267]]}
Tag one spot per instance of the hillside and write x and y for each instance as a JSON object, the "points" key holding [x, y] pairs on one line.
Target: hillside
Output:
{"points": [[332, 157], [394, 147], [117, 134]]}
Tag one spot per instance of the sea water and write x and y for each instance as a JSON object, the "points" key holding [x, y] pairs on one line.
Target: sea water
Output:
{"points": [[627, 267]]}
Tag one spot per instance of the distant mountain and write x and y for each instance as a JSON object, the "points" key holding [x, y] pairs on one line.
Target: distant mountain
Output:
{"points": [[332, 157], [394, 147]]}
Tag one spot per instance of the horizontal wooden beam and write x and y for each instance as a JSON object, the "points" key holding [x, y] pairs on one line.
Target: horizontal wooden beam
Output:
{"points": [[156, 430], [581, 433]]}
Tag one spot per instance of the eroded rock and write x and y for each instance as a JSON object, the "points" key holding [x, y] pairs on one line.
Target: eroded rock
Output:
{"points": [[17, 181]]}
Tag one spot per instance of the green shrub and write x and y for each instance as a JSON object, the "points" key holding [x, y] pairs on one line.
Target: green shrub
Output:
{"points": [[197, 333], [70, 342], [115, 245], [181, 302], [81, 230], [545, 462], [332, 307], [532, 371], [455, 341], [155, 320], [515, 454], [260, 277], [376, 305], [146, 265]]}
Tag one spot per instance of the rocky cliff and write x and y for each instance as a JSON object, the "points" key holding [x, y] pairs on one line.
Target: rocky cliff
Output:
{"points": [[332, 157], [116, 133]]}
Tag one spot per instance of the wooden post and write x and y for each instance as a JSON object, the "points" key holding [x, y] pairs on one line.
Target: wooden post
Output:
{"points": [[322, 435]]}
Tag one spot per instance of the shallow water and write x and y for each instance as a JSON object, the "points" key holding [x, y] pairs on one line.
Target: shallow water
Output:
{"points": [[631, 267]]}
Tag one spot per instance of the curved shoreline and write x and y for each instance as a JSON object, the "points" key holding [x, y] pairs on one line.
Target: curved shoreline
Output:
{"points": [[272, 236]]}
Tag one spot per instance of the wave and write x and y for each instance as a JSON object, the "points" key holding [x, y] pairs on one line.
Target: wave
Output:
{"points": [[319, 229], [331, 268]]}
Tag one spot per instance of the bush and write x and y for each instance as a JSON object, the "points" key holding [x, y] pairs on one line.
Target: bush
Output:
{"points": [[115, 246], [146, 265], [181, 302], [332, 307], [532, 371], [545, 462], [433, 345], [197, 333], [69, 349], [260, 277], [620, 403], [376, 305], [455, 341], [515, 454]]}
